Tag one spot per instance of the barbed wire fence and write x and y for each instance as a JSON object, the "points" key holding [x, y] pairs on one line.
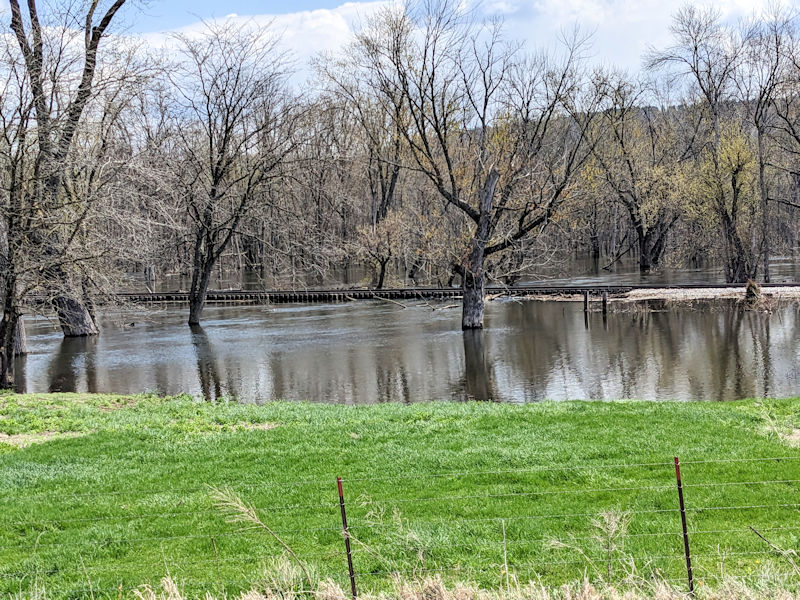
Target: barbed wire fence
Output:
{"points": [[687, 524]]}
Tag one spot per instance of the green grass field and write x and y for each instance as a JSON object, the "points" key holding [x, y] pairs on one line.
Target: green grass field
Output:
{"points": [[105, 493]]}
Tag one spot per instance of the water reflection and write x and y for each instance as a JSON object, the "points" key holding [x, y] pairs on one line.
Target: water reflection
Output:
{"points": [[73, 366], [207, 372], [376, 352], [477, 368]]}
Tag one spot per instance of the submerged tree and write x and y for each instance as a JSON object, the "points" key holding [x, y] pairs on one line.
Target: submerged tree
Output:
{"points": [[49, 55], [499, 135], [637, 154], [706, 54], [234, 120], [51, 75]]}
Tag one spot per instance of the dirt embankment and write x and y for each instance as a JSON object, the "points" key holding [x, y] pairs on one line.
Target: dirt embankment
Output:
{"points": [[765, 299], [677, 294], [655, 299]]}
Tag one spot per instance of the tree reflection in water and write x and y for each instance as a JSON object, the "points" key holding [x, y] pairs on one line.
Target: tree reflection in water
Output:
{"points": [[207, 371], [365, 353], [477, 370], [73, 366]]}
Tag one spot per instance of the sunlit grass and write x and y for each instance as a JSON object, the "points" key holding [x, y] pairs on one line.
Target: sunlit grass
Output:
{"points": [[119, 491]]}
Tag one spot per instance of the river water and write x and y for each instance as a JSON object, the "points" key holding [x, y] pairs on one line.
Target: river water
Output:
{"points": [[372, 351]]}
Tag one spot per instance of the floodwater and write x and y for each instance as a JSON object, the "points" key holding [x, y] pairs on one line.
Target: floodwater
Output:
{"points": [[371, 351]]}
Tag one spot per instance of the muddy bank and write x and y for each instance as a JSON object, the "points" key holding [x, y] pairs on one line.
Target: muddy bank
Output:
{"points": [[653, 299]]}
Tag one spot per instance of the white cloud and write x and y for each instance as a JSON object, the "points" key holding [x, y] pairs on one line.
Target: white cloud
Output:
{"points": [[303, 34], [623, 29]]}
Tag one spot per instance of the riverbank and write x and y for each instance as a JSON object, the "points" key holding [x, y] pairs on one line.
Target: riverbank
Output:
{"points": [[665, 298], [105, 493], [732, 292]]}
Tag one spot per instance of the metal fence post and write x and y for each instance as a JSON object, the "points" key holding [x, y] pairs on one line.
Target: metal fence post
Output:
{"points": [[683, 524], [347, 540]]}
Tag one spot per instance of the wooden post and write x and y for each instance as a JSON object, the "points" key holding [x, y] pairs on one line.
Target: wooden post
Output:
{"points": [[605, 302], [683, 524], [585, 301], [347, 540]]}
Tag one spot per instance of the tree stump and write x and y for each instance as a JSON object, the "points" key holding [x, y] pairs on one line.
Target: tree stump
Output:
{"points": [[752, 294]]}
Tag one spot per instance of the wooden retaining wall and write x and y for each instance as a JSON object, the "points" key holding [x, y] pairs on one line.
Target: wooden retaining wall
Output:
{"points": [[341, 295]]}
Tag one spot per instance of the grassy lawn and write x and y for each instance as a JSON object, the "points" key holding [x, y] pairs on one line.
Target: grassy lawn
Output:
{"points": [[108, 492]]}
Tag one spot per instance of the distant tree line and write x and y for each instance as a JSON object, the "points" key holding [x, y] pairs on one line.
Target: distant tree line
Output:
{"points": [[432, 146]]}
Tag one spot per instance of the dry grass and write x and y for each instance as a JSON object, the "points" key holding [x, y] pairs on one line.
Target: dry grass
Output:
{"points": [[23, 440], [284, 579], [782, 293], [434, 588], [793, 437]]}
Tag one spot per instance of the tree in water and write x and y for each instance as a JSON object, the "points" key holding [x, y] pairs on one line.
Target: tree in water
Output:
{"points": [[637, 163], [234, 129], [498, 134], [49, 79], [706, 53], [58, 110]]}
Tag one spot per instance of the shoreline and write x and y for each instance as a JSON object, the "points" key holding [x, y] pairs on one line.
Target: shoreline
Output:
{"points": [[663, 298]]}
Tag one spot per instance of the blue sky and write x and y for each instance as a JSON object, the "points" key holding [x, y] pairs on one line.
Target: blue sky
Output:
{"points": [[160, 15]]}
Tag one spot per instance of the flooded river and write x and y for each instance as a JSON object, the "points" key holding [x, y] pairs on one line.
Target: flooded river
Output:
{"points": [[367, 352]]}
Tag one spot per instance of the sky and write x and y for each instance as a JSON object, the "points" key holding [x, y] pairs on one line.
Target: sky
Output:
{"points": [[622, 29]]}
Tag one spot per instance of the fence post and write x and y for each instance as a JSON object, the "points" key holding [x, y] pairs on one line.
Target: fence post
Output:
{"points": [[347, 540], [683, 524]]}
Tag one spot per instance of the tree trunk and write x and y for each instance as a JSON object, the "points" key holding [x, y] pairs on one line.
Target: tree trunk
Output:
{"points": [[651, 249], [414, 270], [75, 317], [7, 332], [382, 273], [613, 247], [198, 293], [762, 184], [472, 281], [594, 234], [20, 339], [196, 305], [737, 265], [472, 287], [646, 262]]}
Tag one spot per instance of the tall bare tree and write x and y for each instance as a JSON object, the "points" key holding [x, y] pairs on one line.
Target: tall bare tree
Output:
{"points": [[50, 80], [760, 80], [58, 108], [706, 53], [235, 120], [499, 136]]}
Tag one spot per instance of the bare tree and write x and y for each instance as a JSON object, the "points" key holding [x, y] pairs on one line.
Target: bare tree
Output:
{"points": [[707, 54], [498, 137], [53, 84], [235, 129], [378, 114], [17, 151], [58, 110], [760, 80]]}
